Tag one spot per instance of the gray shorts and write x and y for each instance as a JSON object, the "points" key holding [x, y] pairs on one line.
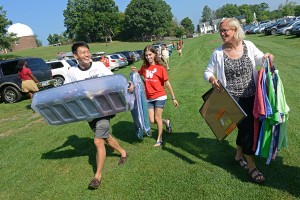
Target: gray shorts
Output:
{"points": [[100, 126]]}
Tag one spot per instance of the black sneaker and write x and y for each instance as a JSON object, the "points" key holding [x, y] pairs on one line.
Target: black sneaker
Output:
{"points": [[95, 183], [169, 126]]}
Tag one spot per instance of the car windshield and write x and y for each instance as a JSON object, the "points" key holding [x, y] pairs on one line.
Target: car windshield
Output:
{"points": [[71, 63]]}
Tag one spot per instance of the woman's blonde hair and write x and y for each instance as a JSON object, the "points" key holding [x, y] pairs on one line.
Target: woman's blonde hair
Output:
{"points": [[233, 23]]}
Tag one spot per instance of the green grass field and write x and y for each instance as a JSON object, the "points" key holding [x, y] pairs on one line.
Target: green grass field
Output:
{"points": [[41, 161]]}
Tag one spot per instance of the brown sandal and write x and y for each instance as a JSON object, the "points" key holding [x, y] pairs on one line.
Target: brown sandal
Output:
{"points": [[242, 163], [258, 178], [123, 159]]}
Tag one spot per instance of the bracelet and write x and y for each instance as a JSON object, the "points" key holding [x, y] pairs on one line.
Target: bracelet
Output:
{"points": [[173, 99]]}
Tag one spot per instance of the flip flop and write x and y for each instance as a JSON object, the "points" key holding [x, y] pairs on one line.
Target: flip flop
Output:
{"points": [[169, 126], [158, 144]]}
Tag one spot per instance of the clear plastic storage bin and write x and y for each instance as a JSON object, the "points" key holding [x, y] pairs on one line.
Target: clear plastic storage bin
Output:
{"points": [[83, 100]]}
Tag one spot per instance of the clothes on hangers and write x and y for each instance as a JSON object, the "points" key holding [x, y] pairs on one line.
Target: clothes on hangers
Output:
{"points": [[270, 112]]}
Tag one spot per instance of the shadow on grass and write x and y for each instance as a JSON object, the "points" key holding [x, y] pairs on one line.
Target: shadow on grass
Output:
{"points": [[85, 146], [81, 147], [221, 154], [125, 131]]}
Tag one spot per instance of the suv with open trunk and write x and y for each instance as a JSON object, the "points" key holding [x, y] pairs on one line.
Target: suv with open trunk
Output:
{"points": [[10, 82]]}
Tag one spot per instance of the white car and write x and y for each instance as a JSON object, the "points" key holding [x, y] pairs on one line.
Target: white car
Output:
{"points": [[123, 60], [115, 61], [158, 49], [59, 69]]}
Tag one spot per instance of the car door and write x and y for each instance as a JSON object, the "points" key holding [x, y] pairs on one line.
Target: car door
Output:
{"points": [[9, 70], [39, 68]]}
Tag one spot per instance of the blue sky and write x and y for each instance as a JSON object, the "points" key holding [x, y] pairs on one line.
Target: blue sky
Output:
{"points": [[45, 17]]}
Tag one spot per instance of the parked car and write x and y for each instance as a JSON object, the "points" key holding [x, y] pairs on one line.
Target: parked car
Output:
{"points": [[261, 27], [286, 30], [247, 28], [140, 52], [137, 56], [272, 29], [158, 49], [74, 60], [123, 59], [115, 61], [129, 55], [59, 69], [10, 82], [97, 56], [253, 29], [296, 30]]}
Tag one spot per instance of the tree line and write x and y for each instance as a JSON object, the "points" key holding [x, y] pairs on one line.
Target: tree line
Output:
{"points": [[101, 20], [261, 11]]}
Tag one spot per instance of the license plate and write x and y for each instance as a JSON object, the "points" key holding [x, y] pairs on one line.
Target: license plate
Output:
{"points": [[44, 83]]}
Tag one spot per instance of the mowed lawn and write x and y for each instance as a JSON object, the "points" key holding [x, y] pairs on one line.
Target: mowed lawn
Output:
{"points": [[41, 161]]}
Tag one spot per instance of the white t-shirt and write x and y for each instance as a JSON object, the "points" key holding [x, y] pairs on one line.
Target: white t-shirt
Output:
{"points": [[96, 69], [165, 53]]}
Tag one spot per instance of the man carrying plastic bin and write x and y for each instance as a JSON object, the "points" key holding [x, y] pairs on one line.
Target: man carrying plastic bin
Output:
{"points": [[84, 70]]}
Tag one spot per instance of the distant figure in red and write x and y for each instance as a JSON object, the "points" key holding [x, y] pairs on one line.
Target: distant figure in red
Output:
{"points": [[179, 48], [104, 60], [28, 79]]}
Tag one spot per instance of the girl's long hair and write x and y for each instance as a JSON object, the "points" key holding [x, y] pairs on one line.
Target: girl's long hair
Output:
{"points": [[157, 59]]}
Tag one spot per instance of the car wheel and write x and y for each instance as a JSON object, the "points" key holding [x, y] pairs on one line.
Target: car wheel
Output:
{"points": [[288, 32], [11, 94], [273, 31], [58, 81]]}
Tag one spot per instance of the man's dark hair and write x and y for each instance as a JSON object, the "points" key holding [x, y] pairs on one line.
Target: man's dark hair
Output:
{"points": [[76, 45]]}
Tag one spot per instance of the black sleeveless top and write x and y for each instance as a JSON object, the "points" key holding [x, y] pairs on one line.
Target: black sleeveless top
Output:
{"points": [[239, 75]]}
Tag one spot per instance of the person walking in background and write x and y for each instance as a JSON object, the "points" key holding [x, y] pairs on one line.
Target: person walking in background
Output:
{"points": [[234, 63], [100, 126], [179, 48], [29, 81], [165, 55], [60, 55], [156, 78], [104, 60]]}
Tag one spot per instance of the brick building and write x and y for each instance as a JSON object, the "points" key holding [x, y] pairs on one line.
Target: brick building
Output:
{"points": [[25, 35]]}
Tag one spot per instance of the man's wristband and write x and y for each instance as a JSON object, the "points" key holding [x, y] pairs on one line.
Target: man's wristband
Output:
{"points": [[173, 98]]}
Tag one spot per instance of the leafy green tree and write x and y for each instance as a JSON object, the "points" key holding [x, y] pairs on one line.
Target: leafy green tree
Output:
{"points": [[144, 18], [188, 25], [229, 10], [179, 32], [6, 40], [263, 7], [91, 20], [173, 26], [297, 10], [54, 39], [38, 41], [287, 9], [207, 14], [245, 10]]}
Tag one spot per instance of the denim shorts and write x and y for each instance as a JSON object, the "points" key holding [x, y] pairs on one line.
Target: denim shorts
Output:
{"points": [[156, 104]]}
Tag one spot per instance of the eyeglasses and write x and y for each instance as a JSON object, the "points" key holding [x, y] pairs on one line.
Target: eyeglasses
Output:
{"points": [[225, 30]]}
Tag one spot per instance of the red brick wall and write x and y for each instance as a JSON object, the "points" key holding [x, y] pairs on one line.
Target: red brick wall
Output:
{"points": [[26, 42]]}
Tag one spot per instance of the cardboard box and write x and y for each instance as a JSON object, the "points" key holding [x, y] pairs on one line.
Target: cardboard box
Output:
{"points": [[221, 112]]}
